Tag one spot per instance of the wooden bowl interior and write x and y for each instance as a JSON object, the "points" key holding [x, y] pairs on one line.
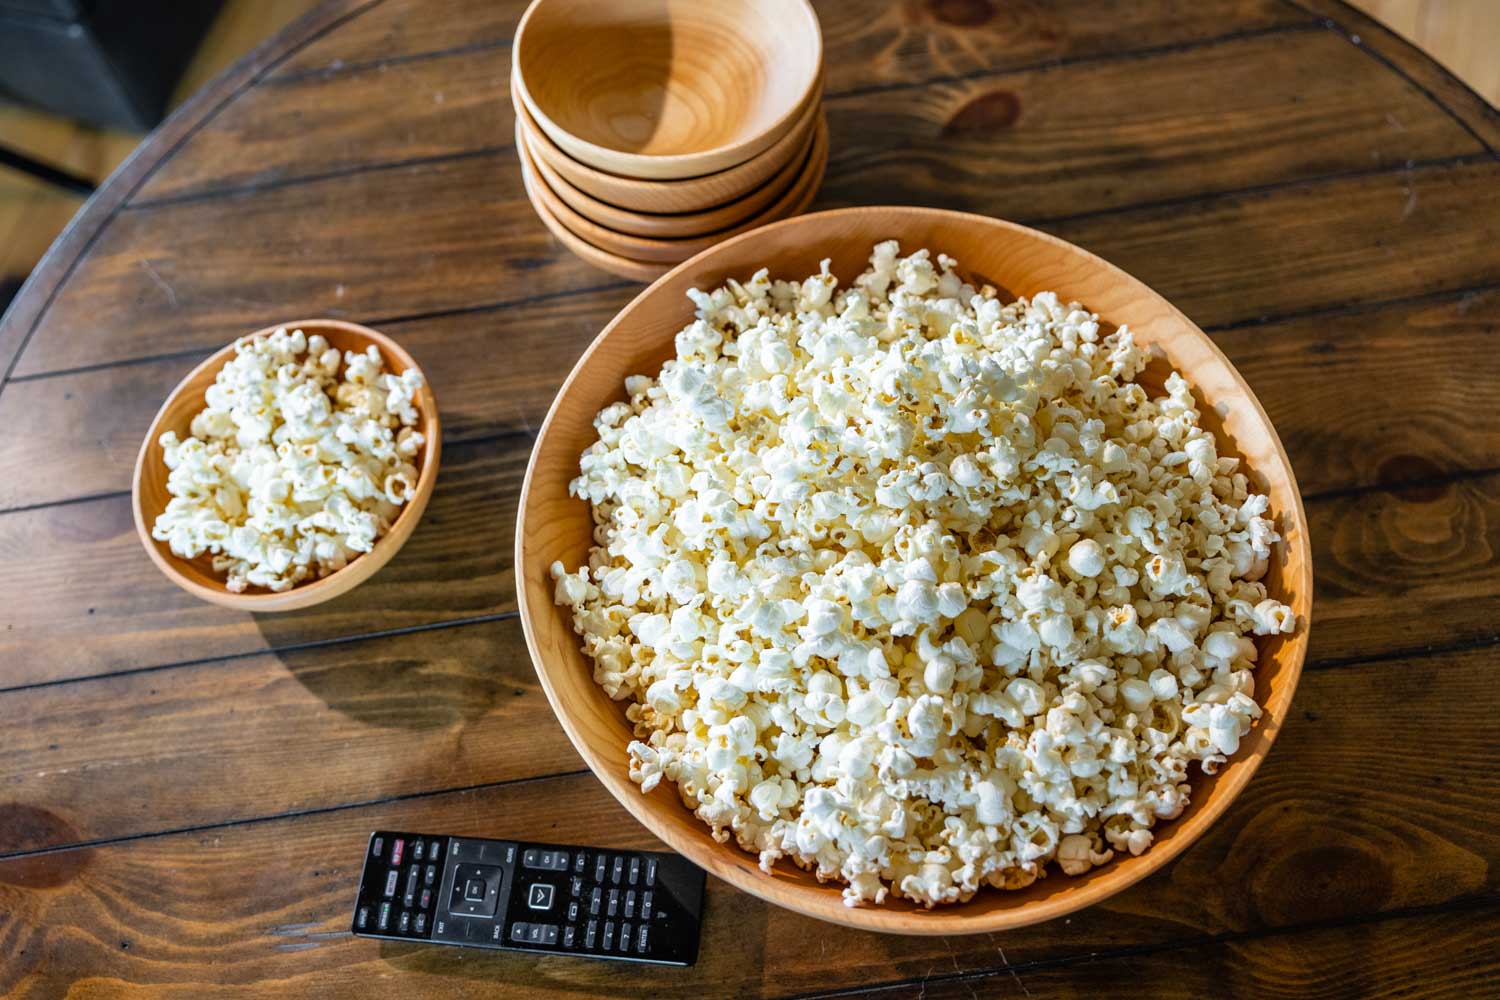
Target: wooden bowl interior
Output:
{"points": [[666, 78], [691, 194], [742, 211], [555, 526], [198, 576], [671, 251]]}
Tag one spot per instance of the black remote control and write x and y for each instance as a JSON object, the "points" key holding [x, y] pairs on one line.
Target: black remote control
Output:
{"points": [[640, 906]]}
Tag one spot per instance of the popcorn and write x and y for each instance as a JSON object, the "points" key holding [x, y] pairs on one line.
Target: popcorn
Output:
{"points": [[290, 471], [916, 588]]}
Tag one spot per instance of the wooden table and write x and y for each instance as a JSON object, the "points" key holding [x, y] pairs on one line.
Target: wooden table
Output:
{"points": [[185, 791]]}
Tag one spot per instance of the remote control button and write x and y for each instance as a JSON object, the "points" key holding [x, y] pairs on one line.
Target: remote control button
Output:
{"points": [[549, 934], [575, 888], [383, 922], [599, 868], [617, 871], [411, 887], [614, 902], [474, 890], [362, 918], [650, 871], [397, 847], [518, 931], [430, 875], [539, 896], [418, 850], [568, 935], [391, 879], [591, 934], [609, 934], [594, 902], [404, 926], [426, 899], [421, 923], [642, 939], [529, 859], [534, 933], [635, 870], [646, 899], [625, 934], [578, 863], [434, 848], [573, 910], [377, 847], [630, 905]]}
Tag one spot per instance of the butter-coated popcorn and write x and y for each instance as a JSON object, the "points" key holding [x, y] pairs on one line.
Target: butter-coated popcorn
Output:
{"points": [[917, 588], [293, 468]]}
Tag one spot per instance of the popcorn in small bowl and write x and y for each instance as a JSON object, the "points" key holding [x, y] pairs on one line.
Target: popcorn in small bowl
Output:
{"points": [[301, 459]]}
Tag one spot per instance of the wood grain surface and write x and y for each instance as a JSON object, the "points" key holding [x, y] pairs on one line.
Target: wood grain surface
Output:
{"points": [[183, 788]]}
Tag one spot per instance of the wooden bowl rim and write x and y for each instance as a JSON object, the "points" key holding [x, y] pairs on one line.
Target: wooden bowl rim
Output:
{"points": [[357, 570], [820, 903], [680, 166], [650, 225], [805, 182], [644, 271], [639, 190]]}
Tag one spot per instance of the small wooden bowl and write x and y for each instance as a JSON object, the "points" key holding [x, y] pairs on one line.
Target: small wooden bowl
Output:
{"points": [[149, 494], [670, 88], [635, 270], [664, 226], [552, 525], [793, 200], [693, 194]]}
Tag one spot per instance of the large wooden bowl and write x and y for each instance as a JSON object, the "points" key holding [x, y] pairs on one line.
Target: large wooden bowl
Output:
{"points": [[149, 494], [552, 525], [688, 194], [667, 88]]}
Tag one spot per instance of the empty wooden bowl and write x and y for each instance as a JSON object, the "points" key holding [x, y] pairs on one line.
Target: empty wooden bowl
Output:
{"points": [[553, 525], [667, 88], [635, 270], [665, 226], [149, 494], [693, 194], [793, 200]]}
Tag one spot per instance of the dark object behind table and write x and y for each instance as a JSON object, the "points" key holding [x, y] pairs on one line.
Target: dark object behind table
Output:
{"points": [[111, 63]]}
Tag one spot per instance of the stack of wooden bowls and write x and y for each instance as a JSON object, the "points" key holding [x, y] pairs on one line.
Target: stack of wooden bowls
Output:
{"points": [[649, 130]]}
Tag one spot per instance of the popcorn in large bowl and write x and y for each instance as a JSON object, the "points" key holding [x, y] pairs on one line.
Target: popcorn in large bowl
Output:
{"points": [[922, 587]]}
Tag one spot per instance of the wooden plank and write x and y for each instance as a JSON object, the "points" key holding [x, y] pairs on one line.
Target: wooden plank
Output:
{"points": [[428, 108], [1311, 839], [1395, 571], [1369, 397], [302, 729], [1446, 90], [1258, 110], [862, 43], [1430, 955], [165, 280], [1393, 375], [1059, 142]]}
